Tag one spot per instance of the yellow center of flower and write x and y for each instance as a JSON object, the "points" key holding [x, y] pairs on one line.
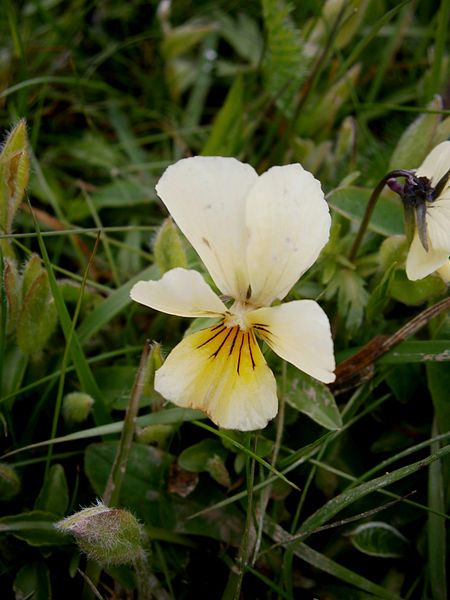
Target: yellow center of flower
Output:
{"points": [[232, 343]]}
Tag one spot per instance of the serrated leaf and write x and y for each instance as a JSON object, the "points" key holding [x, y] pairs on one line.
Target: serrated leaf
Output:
{"points": [[351, 297], [379, 297], [313, 398], [54, 495], [379, 539], [284, 64]]}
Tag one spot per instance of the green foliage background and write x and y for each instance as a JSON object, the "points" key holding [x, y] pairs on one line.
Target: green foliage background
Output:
{"points": [[346, 494]]}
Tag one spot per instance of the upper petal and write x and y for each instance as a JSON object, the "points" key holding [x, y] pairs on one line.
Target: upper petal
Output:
{"points": [[288, 222], [420, 263], [436, 164], [299, 332], [180, 292], [222, 372], [206, 197]]}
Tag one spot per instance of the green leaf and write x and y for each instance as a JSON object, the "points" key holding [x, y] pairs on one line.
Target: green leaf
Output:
{"points": [[145, 482], [387, 217], [379, 298], [379, 539], [414, 293], [436, 530], [416, 141], [355, 491], [417, 352], [195, 458], [226, 133], [208, 455], [112, 305], [438, 377], [54, 495], [313, 398], [284, 63], [352, 297], [327, 565], [35, 527], [180, 40], [32, 582]]}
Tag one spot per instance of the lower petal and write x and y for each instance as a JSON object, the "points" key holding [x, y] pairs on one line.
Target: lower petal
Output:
{"points": [[420, 263], [221, 371], [300, 333]]}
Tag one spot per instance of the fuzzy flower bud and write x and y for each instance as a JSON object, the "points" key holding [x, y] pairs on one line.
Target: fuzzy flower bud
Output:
{"points": [[76, 407], [110, 536], [9, 482], [14, 173], [168, 248]]}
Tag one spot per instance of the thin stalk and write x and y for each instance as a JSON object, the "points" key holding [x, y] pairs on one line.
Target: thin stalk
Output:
{"points": [[265, 496], [370, 207], [234, 584], [117, 474]]}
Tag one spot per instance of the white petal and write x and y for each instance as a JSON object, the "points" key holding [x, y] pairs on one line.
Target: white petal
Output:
{"points": [[420, 263], [179, 292], [300, 333], [444, 272], [222, 372], [288, 222], [438, 223], [436, 164], [206, 197]]}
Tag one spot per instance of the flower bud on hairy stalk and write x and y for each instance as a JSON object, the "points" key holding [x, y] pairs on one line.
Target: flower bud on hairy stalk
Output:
{"points": [[110, 536], [37, 318], [12, 285], [168, 248], [155, 434], [345, 143], [77, 407], [14, 174], [9, 482]]}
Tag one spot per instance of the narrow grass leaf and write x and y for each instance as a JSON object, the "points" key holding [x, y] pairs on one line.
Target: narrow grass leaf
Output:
{"points": [[349, 496]]}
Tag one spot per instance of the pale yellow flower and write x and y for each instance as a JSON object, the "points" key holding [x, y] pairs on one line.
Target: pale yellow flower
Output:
{"points": [[256, 235], [422, 261]]}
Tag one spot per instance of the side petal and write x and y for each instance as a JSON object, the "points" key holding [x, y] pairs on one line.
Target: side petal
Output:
{"points": [[288, 222], [222, 372], [206, 197], [180, 292], [300, 333], [420, 263], [436, 164]]}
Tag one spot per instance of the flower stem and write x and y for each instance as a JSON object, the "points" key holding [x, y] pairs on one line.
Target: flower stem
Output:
{"points": [[370, 207], [117, 474], [265, 496], [234, 584]]}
